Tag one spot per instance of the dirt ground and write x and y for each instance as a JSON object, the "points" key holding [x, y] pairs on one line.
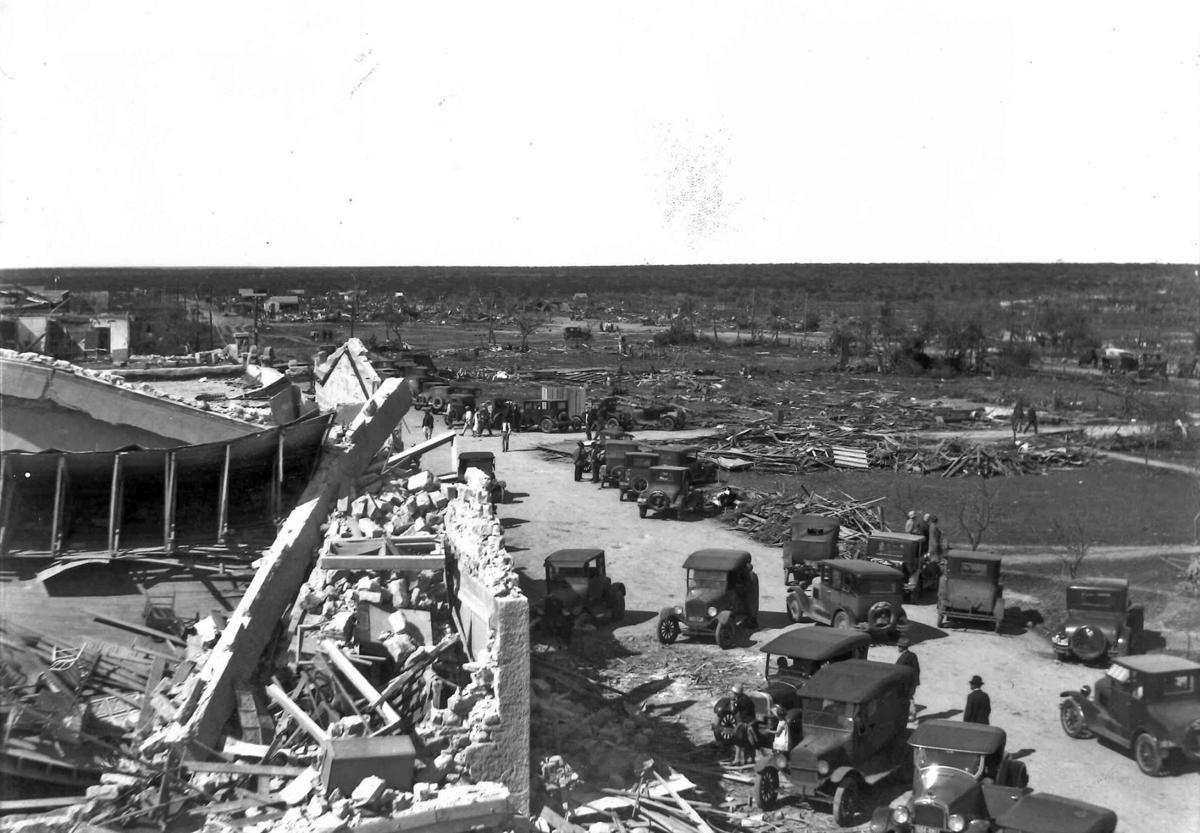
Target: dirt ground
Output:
{"points": [[547, 511]]}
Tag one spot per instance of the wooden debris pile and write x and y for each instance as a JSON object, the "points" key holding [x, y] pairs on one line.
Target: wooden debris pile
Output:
{"points": [[767, 517]]}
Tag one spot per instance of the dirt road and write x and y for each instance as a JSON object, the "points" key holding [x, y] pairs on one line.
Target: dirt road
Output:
{"points": [[549, 511]]}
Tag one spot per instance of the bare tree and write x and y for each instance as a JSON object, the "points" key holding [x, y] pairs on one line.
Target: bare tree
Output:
{"points": [[528, 318], [978, 511], [1072, 535]]}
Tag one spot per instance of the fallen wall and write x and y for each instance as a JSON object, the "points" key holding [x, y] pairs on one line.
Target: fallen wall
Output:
{"points": [[287, 564]]}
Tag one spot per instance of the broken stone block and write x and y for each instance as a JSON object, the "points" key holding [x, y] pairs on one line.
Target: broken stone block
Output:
{"points": [[398, 587], [422, 481], [418, 527], [399, 646], [104, 792], [367, 583], [369, 529], [369, 790], [424, 791], [440, 500], [331, 822], [300, 787], [373, 596], [424, 503]]}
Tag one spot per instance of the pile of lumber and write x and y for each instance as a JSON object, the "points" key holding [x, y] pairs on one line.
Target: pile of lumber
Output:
{"points": [[767, 517]]}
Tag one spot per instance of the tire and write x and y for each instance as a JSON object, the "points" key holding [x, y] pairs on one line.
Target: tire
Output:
{"points": [[843, 619], [668, 630], [546, 425], [1145, 751], [666, 423], [725, 635], [1088, 643], [998, 612], [766, 788], [612, 422], [1012, 774], [725, 728], [848, 806], [564, 420], [576, 423], [640, 485], [795, 610], [618, 607], [641, 511], [882, 616]]}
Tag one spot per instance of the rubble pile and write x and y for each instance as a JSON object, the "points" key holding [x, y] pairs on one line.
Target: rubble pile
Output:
{"points": [[767, 517]]}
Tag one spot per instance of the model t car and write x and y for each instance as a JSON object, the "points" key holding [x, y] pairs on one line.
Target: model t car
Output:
{"points": [[670, 490], [485, 462], [905, 553], [578, 587], [547, 416], [614, 461], [852, 594], [814, 539], [722, 596], [635, 474], [1100, 621], [792, 658], [1148, 704], [854, 716], [970, 589], [702, 471], [962, 780]]}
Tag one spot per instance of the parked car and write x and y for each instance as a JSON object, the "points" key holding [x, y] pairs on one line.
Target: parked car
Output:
{"points": [[670, 490], [703, 471], [547, 416], [804, 650], [970, 589], [614, 461], [577, 586], [457, 405], [485, 461], [722, 596], [613, 414], [664, 417], [1147, 704], [852, 594], [854, 716], [814, 539], [635, 474], [577, 335], [962, 780], [1101, 621], [905, 553], [1048, 813]]}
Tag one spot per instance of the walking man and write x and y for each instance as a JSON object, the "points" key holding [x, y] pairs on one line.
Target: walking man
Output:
{"points": [[427, 423], [979, 705], [468, 422], [505, 430], [909, 660]]}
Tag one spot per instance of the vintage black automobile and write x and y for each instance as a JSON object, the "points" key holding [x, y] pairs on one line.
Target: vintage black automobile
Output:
{"points": [[1048, 813], [854, 716], [904, 552], [1147, 704], [814, 539], [722, 596], [578, 589], [484, 461], [702, 471], [548, 416], [970, 589], [962, 779], [457, 404], [670, 491], [635, 474], [852, 594], [792, 658], [1101, 621], [613, 471]]}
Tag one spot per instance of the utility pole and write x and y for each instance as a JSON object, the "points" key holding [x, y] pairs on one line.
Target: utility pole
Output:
{"points": [[354, 307]]}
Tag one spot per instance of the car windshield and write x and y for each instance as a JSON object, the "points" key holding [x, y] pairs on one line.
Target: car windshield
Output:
{"points": [[890, 549], [830, 714], [1087, 598], [710, 579], [968, 569], [582, 571], [663, 476], [794, 667], [968, 762]]}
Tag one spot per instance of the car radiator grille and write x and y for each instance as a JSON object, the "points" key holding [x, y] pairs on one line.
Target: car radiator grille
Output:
{"points": [[929, 815]]}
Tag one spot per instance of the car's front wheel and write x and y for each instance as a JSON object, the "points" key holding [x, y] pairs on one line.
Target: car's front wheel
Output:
{"points": [[766, 788], [725, 635], [668, 630], [795, 609], [848, 804], [725, 728], [618, 606], [1150, 759], [1071, 716]]}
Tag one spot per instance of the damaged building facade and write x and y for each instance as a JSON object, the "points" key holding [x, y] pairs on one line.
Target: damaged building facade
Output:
{"points": [[374, 674]]}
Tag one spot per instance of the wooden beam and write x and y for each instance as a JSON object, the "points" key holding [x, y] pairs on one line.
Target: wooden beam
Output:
{"points": [[276, 502], [135, 628], [116, 489], [56, 520], [297, 714], [223, 499], [170, 484], [343, 663], [242, 769], [414, 563]]}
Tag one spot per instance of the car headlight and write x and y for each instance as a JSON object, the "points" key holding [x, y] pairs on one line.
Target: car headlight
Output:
{"points": [[956, 823], [900, 814], [822, 767], [712, 611], [679, 611]]}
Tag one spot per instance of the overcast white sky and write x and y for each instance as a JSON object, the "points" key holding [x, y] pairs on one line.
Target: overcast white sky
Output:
{"points": [[302, 133]]}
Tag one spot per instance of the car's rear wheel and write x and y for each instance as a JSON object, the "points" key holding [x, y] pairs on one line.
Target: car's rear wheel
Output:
{"points": [[766, 788], [725, 728], [1070, 714], [546, 425], [843, 619], [848, 806], [668, 630], [725, 635], [1146, 752], [618, 606], [666, 423], [794, 608]]}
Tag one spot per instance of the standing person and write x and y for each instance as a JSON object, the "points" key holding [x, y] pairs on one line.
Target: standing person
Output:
{"points": [[589, 417], [477, 429], [745, 739], [1018, 417], [468, 421], [505, 430], [486, 413], [923, 531], [580, 460], [937, 546], [979, 705], [595, 460], [1031, 420], [910, 523], [909, 660], [427, 423]]}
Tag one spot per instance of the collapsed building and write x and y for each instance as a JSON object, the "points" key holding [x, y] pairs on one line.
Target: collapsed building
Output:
{"points": [[373, 675]]}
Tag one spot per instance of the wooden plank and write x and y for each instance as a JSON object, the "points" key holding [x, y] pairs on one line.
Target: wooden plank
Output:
{"points": [[223, 496], [130, 626], [14, 805], [170, 482], [407, 563], [114, 506], [242, 769], [56, 519], [361, 683], [299, 715]]}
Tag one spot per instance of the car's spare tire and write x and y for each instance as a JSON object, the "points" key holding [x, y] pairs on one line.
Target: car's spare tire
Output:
{"points": [[640, 485], [1088, 643], [882, 616], [658, 500]]}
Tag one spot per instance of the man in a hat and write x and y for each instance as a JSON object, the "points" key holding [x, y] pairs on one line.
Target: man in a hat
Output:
{"points": [[979, 705], [745, 739], [908, 659]]}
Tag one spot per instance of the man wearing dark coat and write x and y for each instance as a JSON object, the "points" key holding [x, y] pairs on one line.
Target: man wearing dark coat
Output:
{"points": [[979, 705]]}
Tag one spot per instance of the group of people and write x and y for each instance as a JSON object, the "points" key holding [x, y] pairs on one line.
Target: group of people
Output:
{"points": [[588, 456], [926, 525], [1024, 417], [477, 421]]}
